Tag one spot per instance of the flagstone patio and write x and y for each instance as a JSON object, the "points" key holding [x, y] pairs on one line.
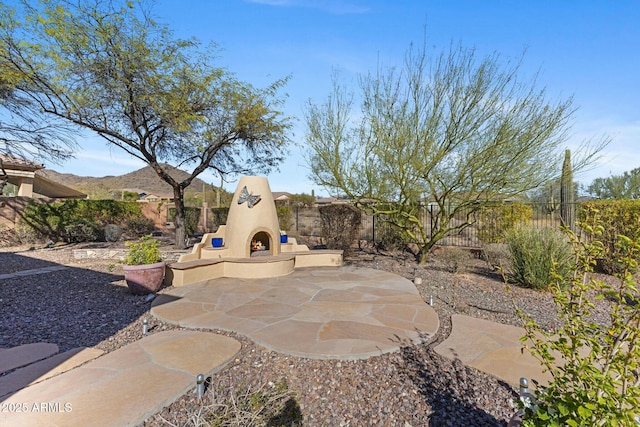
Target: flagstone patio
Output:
{"points": [[322, 313]]}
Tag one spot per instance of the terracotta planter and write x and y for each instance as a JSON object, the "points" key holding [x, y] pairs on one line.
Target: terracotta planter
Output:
{"points": [[144, 279]]}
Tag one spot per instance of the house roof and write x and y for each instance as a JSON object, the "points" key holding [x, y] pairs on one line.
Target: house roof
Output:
{"points": [[325, 200], [48, 188], [18, 169], [16, 163], [280, 195]]}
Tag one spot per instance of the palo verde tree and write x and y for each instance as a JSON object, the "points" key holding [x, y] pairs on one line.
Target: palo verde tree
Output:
{"points": [[452, 130], [108, 67]]}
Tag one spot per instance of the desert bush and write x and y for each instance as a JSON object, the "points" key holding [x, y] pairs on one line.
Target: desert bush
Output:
{"points": [[219, 215], [191, 219], [388, 236], [594, 367], [8, 236], [533, 253], [617, 217], [75, 220], [27, 235], [271, 404], [137, 227], [496, 220], [285, 217], [112, 232], [454, 259], [340, 225], [83, 231], [496, 254]]}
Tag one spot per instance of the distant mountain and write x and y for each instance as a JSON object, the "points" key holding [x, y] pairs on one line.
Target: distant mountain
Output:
{"points": [[143, 180]]}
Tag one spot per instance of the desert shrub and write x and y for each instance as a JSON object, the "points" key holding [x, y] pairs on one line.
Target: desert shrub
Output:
{"points": [[617, 217], [219, 215], [594, 367], [454, 259], [533, 253], [27, 235], [137, 227], [285, 217], [496, 220], [112, 232], [8, 236], [271, 404], [340, 225], [71, 220], [82, 231], [191, 218], [388, 236], [495, 254]]}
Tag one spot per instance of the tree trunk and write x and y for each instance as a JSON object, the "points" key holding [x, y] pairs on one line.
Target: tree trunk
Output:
{"points": [[179, 221], [424, 249]]}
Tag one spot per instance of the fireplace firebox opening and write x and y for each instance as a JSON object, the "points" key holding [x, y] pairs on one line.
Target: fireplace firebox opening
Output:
{"points": [[261, 244]]}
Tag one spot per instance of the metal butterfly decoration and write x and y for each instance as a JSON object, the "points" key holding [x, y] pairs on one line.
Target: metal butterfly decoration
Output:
{"points": [[249, 198]]}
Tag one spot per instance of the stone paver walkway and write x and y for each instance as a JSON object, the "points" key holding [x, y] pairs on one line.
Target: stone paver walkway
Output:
{"points": [[332, 313], [124, 387], [44, 369], [493, 348]]}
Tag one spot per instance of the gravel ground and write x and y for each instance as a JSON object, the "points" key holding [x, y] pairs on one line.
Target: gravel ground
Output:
{"points": [[88, 304]]}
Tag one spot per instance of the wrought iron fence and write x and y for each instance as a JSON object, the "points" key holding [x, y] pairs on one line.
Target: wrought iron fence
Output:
{"points": [[306, 222]]}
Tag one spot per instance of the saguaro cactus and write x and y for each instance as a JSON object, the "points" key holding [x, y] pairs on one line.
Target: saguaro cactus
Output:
{"points": [[567, 197]]}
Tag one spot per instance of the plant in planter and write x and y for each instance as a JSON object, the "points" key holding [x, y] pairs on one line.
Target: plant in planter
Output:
{"points": [[144, 268]]}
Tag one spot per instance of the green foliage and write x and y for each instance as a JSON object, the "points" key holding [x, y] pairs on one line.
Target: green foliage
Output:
{"points": [[535, 253], [8, 189], [617, 217], [594, 366], [191, 219], [495, 220], [137, 226], [219, 215], [616, 187], [78, 220], [144, 251], [130, 196], [302, 199], [340, 225], [389, 236], [83, 231], [285, 217]]}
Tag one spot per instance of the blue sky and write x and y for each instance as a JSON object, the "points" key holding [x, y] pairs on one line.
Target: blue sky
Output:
{"points": [[586, 49]]}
